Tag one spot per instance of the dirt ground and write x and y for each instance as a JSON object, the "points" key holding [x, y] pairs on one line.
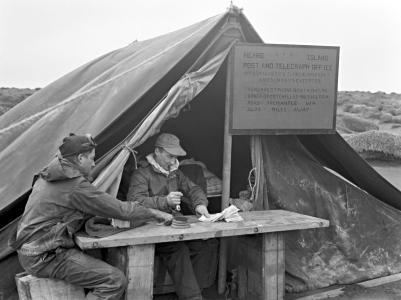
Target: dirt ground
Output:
{"points": [[389, 291]]}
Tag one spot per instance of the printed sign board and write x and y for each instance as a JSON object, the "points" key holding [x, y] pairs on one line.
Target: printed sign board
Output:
{"points": [[283, 89]]}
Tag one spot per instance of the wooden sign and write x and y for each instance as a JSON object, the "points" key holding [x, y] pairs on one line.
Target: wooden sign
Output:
{"points": [[283, 89]]}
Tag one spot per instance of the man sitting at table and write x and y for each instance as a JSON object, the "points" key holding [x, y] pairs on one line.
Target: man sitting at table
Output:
{"points": [[159, 184], [62, 199]]}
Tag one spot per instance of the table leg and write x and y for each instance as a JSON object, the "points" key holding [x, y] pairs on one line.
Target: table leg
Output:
{"points": [[139, 272], [137, 263], [273, 267], [221, 286]]}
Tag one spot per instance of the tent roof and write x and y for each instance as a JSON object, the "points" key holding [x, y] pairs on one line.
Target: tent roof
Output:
{"points": [[106, 97]]}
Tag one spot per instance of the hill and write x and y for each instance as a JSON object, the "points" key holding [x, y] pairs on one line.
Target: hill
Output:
{"points": [[10, 97]]}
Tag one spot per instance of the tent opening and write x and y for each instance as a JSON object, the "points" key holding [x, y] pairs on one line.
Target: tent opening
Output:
{"points": [[200, 127]]}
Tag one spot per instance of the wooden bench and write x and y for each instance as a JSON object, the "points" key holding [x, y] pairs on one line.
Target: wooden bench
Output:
{"points": [[135, 248], [32, 288]]}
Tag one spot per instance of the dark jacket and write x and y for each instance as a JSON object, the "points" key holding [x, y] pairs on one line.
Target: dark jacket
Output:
{"points": [[62, 199], [150, 187]]}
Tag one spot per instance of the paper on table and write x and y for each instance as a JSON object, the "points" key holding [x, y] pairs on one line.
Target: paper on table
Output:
{"points": [[230, 214], [212, 218]]}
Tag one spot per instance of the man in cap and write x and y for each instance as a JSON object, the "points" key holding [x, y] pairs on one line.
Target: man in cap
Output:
{"points": [[62, 199], [159, 184]]}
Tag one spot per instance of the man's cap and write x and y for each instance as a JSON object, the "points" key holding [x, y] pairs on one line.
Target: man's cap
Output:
{"points": [[170, 143], [76, 144]]}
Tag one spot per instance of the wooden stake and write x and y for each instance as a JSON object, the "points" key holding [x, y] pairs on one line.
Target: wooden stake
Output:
{"points": [[225, 197]]}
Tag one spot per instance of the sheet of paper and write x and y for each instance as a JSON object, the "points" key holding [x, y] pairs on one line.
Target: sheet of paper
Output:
{"points": [[230, 214], [212, 218]]}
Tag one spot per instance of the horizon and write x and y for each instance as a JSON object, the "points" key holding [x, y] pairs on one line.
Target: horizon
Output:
{"points": [[339, 91], [54, 38]]}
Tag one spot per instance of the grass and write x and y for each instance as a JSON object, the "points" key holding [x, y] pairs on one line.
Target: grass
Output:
{"points": [[9, 97], [376, 144], [357, 124]]}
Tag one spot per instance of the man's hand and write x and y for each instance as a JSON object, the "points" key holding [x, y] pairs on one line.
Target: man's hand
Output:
{"points": [[174, 199], [202, 210], [162, 216]]}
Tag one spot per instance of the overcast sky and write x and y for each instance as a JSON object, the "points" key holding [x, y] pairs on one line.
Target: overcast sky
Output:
{"points": [[41, 40]]}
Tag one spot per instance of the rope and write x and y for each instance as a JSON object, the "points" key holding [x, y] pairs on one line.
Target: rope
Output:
{"points": [[133, 152], [252, 177]]}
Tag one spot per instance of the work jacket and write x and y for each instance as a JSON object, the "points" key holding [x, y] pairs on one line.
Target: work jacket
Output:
{"points": [[150, 187], [62, 199]]}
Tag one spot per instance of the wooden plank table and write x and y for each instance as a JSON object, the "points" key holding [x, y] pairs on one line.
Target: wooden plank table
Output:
{"points": [[139, 244]]}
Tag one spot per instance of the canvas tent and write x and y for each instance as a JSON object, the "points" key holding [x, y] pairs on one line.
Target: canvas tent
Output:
{"points": [[176, 83]]}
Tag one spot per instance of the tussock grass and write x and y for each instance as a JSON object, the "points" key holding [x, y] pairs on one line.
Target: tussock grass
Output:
{"points": [[357, 108], [386, 117], [397, 120], [376, 144], [357, 124]]}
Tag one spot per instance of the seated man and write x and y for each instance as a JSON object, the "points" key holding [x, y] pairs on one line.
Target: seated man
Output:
{"points": [[159, 184], [62, 199]]}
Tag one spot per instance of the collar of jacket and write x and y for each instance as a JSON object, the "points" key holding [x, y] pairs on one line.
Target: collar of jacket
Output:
{"points": [[151, 160], [60, 169]]}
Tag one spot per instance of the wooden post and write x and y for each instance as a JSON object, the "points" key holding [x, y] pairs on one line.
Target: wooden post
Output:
{"points": [[137, 263], [225, 197], [140, 272], [273, 266]]}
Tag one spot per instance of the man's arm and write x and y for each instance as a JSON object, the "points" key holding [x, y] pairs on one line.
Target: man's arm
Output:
{"points": [[139, 192], [87, 198], [194, 193]]}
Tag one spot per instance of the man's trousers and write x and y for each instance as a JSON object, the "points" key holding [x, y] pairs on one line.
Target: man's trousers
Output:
{"points": [[72, 265]]}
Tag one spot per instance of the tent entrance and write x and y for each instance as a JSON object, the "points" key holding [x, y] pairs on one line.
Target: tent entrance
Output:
{"points": [[200, 127]]}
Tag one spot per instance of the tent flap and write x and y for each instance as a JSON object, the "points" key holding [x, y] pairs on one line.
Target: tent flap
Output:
{"points": [[362, 240], [183, 92]]}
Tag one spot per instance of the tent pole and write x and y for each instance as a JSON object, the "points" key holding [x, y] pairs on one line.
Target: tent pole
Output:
{"points": [[226, 176]]}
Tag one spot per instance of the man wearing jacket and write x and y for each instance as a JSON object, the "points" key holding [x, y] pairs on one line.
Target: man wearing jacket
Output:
{"points": [[62, 199], [159, 184]]}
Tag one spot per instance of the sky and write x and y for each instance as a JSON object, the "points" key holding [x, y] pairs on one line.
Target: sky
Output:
{"points": [[42, 40]]}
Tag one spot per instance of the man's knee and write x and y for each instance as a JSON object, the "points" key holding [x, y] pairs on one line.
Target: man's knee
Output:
{"points": [[112, 287], [117, 281]]}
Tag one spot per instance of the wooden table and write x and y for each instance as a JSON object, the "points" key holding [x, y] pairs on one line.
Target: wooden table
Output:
{"points": [[139, 244]]}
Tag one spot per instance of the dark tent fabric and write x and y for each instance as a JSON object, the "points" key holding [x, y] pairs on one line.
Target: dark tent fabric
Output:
{"points": [[334, 152], [363, 240], [114, 97]]}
